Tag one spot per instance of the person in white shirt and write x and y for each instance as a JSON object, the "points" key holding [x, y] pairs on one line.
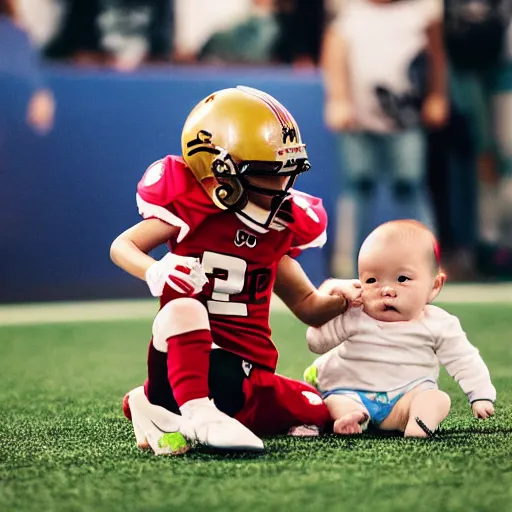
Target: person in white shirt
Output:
{"points": [[381, 358], [384, 70]]}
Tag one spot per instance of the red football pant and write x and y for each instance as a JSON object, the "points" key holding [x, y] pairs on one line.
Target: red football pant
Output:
{"points": [[274, 404]]}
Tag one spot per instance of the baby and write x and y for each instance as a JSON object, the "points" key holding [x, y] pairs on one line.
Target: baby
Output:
{"points": [[381, 358]]}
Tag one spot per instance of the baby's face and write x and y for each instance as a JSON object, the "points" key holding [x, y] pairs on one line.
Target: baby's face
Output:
{"points": [[398, 280]]}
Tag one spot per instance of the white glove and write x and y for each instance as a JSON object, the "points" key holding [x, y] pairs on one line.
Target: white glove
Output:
{"points": [[181, 273], [351, 289]]}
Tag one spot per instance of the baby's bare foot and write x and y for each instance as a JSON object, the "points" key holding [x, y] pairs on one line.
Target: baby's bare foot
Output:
{"points": [[351, 423]]}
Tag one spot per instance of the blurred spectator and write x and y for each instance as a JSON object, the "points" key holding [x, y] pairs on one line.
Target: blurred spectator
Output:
{"points": [[273, 31], [302, 25], [476, 36], [135, 31], [20, 73], [249, 31], [41, 18], [78, 36], [195, 21], [385, 78], [121, 33], [251, 41]]}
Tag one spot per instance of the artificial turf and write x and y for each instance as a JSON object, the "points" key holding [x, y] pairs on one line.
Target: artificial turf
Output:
{"points": [[65, 445]]}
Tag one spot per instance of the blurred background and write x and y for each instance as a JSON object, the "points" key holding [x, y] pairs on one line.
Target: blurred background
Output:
{"points": [[405, 107]]}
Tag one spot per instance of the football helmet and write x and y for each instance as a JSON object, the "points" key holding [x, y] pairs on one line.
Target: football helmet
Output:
{"points": [[237, 133]]}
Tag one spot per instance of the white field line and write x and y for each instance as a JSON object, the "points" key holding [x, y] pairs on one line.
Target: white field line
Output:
{"points": [[145, 309]]}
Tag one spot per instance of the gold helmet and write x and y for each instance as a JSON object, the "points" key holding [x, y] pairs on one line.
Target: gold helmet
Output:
{"points": [[237, 133]]}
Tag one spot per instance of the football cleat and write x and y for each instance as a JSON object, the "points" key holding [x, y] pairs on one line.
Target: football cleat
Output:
{"points": [[155, 427], [205, 424]]}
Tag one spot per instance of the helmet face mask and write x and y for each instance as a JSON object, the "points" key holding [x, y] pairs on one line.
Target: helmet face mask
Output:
{"points": [[236, 134], [235, 185], [230, 192]]}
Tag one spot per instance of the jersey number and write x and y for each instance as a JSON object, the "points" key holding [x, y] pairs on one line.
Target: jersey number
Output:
{"points": [[229, 280]]}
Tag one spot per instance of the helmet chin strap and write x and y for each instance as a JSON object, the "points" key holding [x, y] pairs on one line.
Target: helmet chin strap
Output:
{"points": [[277, 194], [270, 192], [261, 219], [255, 217]]}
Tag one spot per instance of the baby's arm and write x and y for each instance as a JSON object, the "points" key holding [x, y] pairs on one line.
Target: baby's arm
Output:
{"points": [[464, 363], [333, 333], [322, 339]]}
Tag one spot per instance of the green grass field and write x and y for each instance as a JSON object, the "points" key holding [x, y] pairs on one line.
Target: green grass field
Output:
{"points": [[65, 446]]}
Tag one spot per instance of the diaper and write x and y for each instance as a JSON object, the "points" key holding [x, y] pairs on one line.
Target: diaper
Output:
{"points": [[379, 404]]}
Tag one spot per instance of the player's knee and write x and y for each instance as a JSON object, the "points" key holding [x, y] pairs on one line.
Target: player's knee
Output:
{"points": [[177, 317]]}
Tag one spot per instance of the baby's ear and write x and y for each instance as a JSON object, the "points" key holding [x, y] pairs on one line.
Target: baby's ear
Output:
{"points": [[439, 281]]}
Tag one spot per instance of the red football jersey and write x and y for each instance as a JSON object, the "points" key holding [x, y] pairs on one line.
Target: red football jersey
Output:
{"points": [[240, 262]]}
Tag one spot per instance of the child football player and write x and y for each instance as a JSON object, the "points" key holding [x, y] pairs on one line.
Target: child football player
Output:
{"points": [[233, 223]]}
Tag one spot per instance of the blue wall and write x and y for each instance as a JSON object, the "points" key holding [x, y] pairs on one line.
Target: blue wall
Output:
{"points": [[66, 196]]}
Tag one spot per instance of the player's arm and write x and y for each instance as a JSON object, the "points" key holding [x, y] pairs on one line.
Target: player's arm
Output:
{"points": [[130, 249], [294, 288], [130, 252]]}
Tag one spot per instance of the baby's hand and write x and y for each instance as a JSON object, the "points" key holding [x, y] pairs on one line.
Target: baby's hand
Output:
{"points": [[350, 289], [482, 409]]}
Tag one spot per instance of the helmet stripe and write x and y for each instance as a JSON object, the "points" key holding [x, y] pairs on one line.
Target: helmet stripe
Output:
{"points": [[282, 114]]}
